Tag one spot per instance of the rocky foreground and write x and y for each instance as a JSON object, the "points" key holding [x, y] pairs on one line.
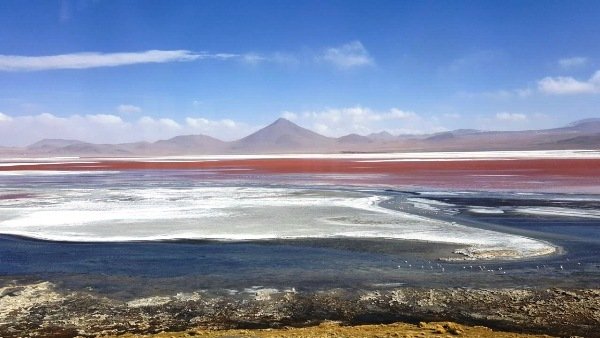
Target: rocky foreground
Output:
{"points": [[42, 310]]}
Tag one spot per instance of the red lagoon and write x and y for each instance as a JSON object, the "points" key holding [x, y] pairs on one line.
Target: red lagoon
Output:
{"points": [[554, 175]]}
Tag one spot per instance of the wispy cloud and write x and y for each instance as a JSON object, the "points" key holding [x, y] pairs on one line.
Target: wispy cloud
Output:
{"points": [[572, 62], [346, 56], [500, 94], [474, 60], [350, 55], [363, 120], [511, 117], [95, 60], [64, 12], [275, 58], [507, 120], [128, 109], [566, 85]]}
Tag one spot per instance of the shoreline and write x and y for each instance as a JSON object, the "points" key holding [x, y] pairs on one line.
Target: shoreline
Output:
{"points": [[469, 252], [39, 309]]}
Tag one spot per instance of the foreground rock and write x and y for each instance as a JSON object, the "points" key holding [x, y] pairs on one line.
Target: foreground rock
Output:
{"points": [[40, 310]]}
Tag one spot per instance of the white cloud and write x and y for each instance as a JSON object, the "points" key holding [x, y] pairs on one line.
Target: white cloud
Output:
{"points": [[395, 113], [95, 60], [289, 115], [4, 118], [106, 128], [565, 85], [511, 117], [224, 129], [169, 123], [514, 121], [502, 94], [276, 58], [350, 55], [363, 120], [451, 115], [253, 58], [104, 118], [159, 122], [573, 62], [207, 125], [23, 130], [128, 109]]}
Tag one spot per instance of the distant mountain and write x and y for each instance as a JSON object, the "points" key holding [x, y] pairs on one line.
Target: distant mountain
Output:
{"points": [[580, 140], [189, 144], [592, 124], [284, 136], [381, 136], [465, 131], [354, 139], [53, 143], [467, 139], [182, 145], [448, 136], [445, 136]]}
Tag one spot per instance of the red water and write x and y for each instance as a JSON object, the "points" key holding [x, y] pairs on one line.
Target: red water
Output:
{"points": [[552, 175]]}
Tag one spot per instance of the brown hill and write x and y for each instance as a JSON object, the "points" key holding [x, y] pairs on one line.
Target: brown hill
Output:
{"points": [[284, 136]]}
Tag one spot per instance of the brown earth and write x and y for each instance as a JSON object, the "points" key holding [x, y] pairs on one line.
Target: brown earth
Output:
{"points": [[42, 310], [335, 329]]}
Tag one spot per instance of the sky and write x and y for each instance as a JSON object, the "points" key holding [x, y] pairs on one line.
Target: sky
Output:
{"points": [[120, 71]]}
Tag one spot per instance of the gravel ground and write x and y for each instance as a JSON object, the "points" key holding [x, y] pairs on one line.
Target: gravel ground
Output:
{"points": [[41, 310]]}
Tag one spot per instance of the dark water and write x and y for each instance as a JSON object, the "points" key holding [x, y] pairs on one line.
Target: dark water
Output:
{"points": [[578, 236], [148, 268]]}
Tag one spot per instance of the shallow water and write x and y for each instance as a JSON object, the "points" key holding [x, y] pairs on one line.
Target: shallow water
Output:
{"points": [[168, 208], [129, 269]]}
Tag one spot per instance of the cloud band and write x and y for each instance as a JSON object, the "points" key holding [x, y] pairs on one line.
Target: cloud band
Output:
{"points": [[95, 60]]}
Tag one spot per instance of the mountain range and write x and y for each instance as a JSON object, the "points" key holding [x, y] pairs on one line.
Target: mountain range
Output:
{"points": [[284, 136]]}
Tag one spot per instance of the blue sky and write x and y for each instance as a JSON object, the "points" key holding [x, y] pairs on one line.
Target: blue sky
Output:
{"points": [[117, 71]]}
